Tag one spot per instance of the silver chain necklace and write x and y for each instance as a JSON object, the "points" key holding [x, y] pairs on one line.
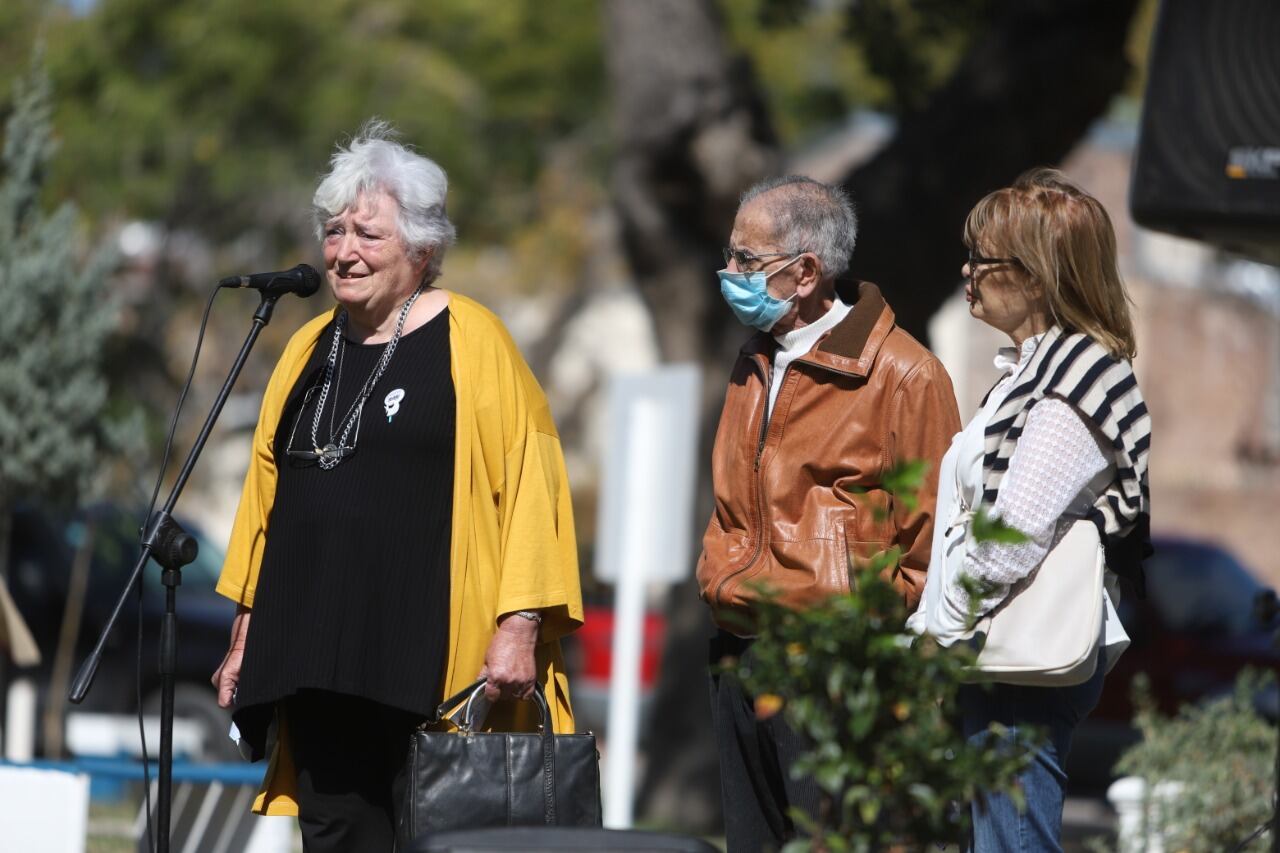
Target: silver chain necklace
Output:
{"points": [[337, 385], [332, 453]]}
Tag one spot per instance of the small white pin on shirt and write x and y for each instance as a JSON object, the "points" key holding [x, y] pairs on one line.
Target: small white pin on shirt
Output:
{"points": [[392, 402]]}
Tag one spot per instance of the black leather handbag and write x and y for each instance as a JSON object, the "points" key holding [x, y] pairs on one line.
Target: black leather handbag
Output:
{"points": [[468, 779]]}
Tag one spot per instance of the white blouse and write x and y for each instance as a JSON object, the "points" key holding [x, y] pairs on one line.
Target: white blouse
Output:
{"points": [[1058, 468]]}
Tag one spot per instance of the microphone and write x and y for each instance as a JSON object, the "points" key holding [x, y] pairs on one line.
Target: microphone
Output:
{"points": [[302, 280]]}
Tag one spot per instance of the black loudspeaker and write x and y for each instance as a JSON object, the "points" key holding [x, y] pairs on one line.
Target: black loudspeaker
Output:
{"points": [[1208, 161]]}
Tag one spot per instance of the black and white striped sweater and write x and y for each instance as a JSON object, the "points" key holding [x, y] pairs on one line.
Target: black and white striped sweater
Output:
{"points": [[1103, 388]]}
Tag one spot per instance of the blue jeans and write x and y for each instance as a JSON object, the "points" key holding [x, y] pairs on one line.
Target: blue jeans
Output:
{"points": [[1056, 711]]}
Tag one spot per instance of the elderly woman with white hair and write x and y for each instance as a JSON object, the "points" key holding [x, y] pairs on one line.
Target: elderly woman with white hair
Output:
{"points": [[405, 524]]}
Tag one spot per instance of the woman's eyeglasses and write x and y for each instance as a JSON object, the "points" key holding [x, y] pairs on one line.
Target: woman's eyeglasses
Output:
{"points": [[976, 261]]}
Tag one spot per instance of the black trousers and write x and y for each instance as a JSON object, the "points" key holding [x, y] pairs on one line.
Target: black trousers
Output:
{"points": [[348, 753], [756, 756]]}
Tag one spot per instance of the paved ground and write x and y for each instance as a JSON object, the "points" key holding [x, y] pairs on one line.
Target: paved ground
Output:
{"points": [[1084, 818]]}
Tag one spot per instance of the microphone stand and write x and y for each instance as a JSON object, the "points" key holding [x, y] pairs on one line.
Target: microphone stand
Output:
{"points": [[172, 548]]}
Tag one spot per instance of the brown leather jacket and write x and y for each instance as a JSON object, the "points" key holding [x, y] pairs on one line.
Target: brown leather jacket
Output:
{"points": [[866, 397]]}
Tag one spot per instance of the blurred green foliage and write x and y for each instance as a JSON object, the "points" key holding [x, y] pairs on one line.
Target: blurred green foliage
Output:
{"points": [[816, 61], [220, 114], [879, 707], [1223, 753], [882, 715]]}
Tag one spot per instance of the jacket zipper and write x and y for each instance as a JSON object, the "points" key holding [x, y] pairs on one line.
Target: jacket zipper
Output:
{"points": [[764, 428], [764, 432], [759, 484]]}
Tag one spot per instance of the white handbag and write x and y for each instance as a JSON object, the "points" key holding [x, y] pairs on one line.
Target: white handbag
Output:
{"points": [[1047, 632]]}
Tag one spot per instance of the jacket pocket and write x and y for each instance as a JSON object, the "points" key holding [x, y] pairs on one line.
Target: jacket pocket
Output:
{"points": [[863, 550], [724, 554], [873, 518]]}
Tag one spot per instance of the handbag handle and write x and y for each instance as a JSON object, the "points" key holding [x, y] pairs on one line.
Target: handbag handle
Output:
{"points": [[470, 691], [547, 735]]}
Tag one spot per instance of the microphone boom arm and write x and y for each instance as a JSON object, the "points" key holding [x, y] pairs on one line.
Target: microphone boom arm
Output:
{"points": [[164, 543]]}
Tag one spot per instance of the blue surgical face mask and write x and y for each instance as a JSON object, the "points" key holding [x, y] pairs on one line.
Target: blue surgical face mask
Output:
{"points": [[748, 297]]}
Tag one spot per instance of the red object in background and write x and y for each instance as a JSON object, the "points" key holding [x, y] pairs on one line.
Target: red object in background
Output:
{"points": [[595, 638]]}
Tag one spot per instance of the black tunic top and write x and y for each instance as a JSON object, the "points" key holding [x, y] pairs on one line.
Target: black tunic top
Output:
{"points": [[353, 594]]}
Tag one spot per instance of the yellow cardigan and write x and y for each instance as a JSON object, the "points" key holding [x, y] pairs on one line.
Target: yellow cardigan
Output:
{"points": [[513, 545]]}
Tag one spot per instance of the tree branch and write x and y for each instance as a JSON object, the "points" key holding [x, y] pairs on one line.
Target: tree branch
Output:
{"points": [[1024, 95]]}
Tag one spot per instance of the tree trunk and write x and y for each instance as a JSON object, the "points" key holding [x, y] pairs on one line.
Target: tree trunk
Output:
{"points": [[692, 134], [6, 536], [6, 543], [64, 655]]}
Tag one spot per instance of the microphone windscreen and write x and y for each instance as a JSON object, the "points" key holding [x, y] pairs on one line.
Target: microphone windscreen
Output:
{"points": [[310, 280]]}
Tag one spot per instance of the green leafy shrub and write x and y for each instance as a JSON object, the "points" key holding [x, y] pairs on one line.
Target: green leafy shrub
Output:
{"points": [[1223, 753], [879, 707]]}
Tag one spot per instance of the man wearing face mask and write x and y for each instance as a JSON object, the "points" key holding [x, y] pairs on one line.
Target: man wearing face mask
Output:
{"points": [[824, 399]]}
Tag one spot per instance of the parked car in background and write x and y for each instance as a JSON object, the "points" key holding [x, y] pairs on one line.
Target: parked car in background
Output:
{"points": [[1191, 635], [43, 547]]}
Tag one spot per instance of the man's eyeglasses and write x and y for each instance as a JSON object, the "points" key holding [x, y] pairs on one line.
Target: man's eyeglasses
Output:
{"points": [[976, 261], [747, 260]]}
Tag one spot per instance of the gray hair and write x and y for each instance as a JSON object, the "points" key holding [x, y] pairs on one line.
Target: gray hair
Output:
{"points": [[374, 162], [810, 216]]}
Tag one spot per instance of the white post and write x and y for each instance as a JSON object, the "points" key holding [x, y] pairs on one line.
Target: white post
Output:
{"points": [[643, 488], [642, 539], [20, 721]]}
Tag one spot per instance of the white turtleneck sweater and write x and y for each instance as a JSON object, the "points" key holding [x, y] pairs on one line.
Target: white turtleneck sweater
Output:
{"points": [[798, 342]]}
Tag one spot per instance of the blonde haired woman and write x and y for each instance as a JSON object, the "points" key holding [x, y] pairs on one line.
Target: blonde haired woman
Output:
{"points": [[1064, 434]]}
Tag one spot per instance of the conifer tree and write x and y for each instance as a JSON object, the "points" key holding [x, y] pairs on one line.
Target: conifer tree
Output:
{"points": [[55, 317]]}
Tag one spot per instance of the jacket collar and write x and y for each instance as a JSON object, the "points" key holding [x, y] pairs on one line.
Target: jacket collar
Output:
{"points": [[850, 347]]}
